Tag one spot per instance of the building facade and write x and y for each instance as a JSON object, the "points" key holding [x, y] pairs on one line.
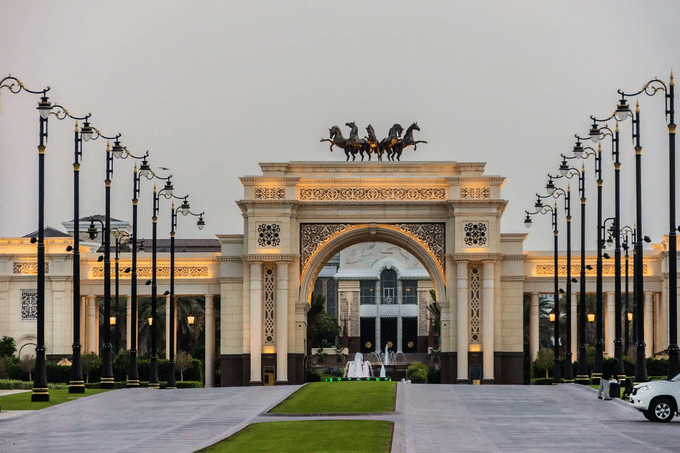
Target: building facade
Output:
{"points": [[433, 226]]}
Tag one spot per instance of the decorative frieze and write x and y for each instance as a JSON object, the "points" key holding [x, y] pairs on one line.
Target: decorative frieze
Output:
{"points": [[270, 193], [268, 235], [161, 271], [28, 267], [608, 270], [312, 235], [475, 193], [372, 193], [476, 234], [432, 235]]}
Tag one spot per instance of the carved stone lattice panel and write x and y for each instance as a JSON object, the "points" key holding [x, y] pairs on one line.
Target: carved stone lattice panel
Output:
{"points": [[334, 194], [354, 316], [270, 193], [475, 193], [29, 305], [161, 271], [28, 267], [432, 235], [268, 235], [422, 313], [475, 334], [313, 235], [476, 234], [269, 295], [608, 270]]}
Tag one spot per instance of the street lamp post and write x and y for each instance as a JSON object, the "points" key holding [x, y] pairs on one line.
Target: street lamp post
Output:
{"points": [[544, 209], [76, 384], [650, 89], [622, 113], [40, 390], [625, 233], [153, 367], [184, 209]]}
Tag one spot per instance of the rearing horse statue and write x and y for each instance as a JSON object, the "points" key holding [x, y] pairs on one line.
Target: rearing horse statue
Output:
{"points": [[407, 141], [373, 143], [358, 144], [338, 140], [391, 140]]}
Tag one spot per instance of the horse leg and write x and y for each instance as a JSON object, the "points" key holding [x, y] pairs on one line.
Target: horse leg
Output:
{"points": [[347, 154]]}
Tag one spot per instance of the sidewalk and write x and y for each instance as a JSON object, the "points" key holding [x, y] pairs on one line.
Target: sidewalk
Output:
{"points": [[429, 418]]}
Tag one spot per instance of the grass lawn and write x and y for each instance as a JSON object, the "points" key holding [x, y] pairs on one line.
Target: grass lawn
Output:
{"points": [[327, 436], [340, 398], [22, 401]]}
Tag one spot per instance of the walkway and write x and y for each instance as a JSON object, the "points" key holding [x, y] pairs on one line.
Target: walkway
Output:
{"points": [[429, 418]]}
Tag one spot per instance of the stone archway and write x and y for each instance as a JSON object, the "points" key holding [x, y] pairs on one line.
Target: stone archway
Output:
{"points": [[425, 241]]}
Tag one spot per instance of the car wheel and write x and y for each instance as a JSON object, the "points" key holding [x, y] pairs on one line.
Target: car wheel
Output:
{"points": [[661, 410], [648, 415]]}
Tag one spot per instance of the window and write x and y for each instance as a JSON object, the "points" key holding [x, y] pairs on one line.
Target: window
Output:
{"points": [[388, 284], [367, 292], [409, 292], [332, 298]]}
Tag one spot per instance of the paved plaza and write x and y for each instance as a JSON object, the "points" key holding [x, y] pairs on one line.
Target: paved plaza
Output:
{"points": [[429, 418]]}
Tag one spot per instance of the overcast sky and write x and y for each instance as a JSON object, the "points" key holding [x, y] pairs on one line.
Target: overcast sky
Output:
{"points": [[213, 88]]}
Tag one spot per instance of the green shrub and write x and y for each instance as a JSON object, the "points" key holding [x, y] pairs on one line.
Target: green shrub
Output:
{"points": [[657, 367], [417, 373], [542, 381], [58, 373]]}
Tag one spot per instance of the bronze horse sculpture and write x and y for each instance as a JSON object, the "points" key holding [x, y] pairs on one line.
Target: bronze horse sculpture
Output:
{"points": [[406, 142], [392, 145]]}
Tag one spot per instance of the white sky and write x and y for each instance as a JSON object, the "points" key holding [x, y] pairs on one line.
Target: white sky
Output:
{"points": [[213, 88]]}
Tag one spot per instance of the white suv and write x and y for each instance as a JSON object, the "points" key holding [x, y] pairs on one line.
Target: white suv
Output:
{"points": [[657, 400]]}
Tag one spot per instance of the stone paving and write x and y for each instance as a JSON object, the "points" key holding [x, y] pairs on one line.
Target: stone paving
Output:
{"points": [[429, 418]]}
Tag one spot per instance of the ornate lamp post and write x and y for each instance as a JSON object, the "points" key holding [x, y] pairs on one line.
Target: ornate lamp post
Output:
{"points": [[184, 209], [568, 172], [40, 391], [581, 152], [167, 192], [622, 112], [76, 384], [545, 209]]}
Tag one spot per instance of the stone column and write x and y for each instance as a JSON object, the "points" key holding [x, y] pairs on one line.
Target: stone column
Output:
{"points": [[488, 322], [281, 322], [92, 325], [649, 324], [256, 323], [574, 324], [609, 325], [463, 328], [533, 327], [209, 341], [400, 321], [378, 300]]}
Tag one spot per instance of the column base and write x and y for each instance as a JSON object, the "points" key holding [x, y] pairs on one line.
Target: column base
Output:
{"points": [[106, 383], [487, 381], [133, 384], [281, 383], [76, 387], [40, 395], [255, 383], [462, 381]]}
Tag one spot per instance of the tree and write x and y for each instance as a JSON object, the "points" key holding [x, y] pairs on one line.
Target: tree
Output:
{"points": [[27, 365], [182, 363], [315, 309], [7, 346], [436, 311], [89, 362], [545, 358], [326, 331]]}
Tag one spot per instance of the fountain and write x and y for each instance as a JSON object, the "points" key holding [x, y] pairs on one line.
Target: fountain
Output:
{"points": [[358, 368]]}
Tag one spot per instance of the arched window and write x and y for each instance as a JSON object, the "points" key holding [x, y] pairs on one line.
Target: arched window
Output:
{"points": [[318, 286], [388, 287], [332, 298]]}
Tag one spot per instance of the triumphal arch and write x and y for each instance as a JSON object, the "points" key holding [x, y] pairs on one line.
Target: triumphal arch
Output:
{"points": [[298, 215]]}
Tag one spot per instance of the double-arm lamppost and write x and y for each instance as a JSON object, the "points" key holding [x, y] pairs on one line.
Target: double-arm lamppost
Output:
{"points": [[622, 112], [184, 209], [545, 209], [76, 384], [167, 191], [40, 391]]}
